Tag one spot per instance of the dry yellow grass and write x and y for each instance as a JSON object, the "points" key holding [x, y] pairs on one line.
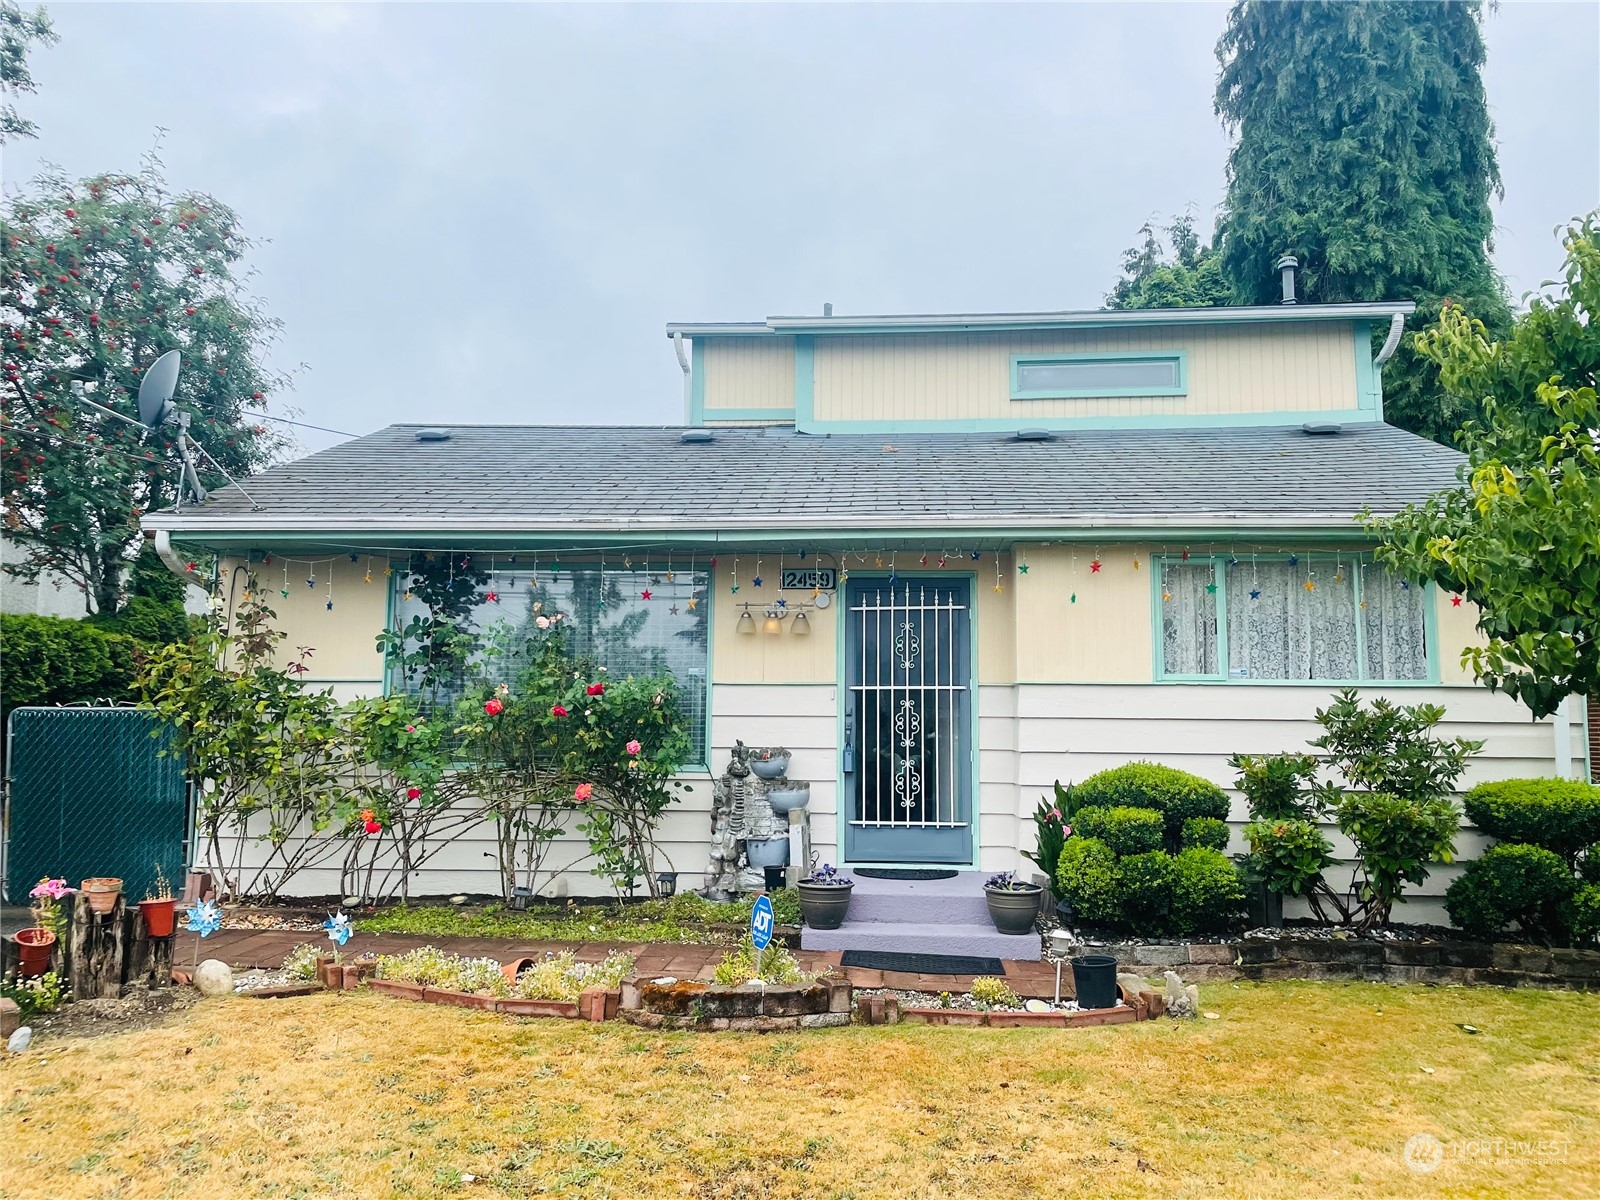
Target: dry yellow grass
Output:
{"points": [[1298, 1090]]}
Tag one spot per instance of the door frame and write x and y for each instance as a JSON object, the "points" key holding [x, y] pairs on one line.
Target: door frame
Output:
{"points": [[842, 698]]}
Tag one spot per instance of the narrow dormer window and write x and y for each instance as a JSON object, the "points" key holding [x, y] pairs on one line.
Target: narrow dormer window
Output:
{"points": [[1058, 376]]}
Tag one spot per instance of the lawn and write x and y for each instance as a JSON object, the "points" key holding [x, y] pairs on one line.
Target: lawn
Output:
{"points": [[1298, 1089]]}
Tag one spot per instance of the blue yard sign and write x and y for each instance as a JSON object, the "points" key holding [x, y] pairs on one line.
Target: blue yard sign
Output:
{"points": [[761, 923]]}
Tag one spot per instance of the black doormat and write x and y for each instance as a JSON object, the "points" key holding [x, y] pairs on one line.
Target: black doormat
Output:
{"points": [[923, 964], [905, 872]]}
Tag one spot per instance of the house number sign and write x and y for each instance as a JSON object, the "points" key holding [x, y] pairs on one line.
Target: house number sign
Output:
{"points": [[803, 579]]}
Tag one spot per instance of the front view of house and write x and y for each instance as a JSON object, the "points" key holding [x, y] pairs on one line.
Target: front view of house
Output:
{"points": [[944, 560]]}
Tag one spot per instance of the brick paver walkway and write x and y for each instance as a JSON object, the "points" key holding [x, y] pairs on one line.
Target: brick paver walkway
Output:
{"points": [[267, 948]]}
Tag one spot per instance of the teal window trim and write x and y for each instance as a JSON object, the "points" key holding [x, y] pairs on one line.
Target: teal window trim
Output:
{"points": [[745, 414], [1180, 357], [1358, 562], [1369, 381]]}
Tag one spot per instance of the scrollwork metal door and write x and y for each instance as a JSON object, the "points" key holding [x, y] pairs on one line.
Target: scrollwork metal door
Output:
{"points": [[908, 721]]}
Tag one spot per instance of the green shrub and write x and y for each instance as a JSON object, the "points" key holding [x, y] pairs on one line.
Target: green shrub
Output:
{"points": [[1398, 840], [1125, 830], [1277, 786], [1562, 815], [1582, 916], [153, 622], [738, 966], [562, 977], [1589, 864], [1208, 833], [990, 992], [1288, 856], [1144, 885], [1207, 893], [1176, 795], [1512, 882], [433, 967], [1087, 876], [52, 660]]}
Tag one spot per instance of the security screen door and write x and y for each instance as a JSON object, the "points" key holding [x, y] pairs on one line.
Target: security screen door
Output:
{"points": [[908, 720]]}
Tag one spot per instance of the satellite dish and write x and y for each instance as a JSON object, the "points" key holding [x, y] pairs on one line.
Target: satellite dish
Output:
{"points": [[155, 393]]}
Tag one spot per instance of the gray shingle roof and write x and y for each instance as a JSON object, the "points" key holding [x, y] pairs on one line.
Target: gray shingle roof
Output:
{"points": [[569, 478]]}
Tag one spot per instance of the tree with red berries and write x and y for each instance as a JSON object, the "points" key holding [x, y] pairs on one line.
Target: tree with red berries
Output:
{"points": [[101, 278]]}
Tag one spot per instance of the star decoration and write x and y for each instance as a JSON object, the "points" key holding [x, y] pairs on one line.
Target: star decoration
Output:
{"points": [[1023, 569], [923, 561], [1135, 562], [1455, 601], [1293, 558], [815, 592], [312, 582], [492, 596], [1310, 585], [782, 603], [998, 589], [893, 578], [1211, 589], [1338, 576], [1363, 604], [1184, 556], [1166, 595], [367, 578], [942, 561], [671, 576], [976, 555], [645, 595], [285, 594], [673, 610], [692, 603], [388, 571], [713, 564], [756, 582], [1405, 585], [330, 605], [353, 558], [878, 561], [655, 581], [734, 589], [1094, 567], [626, 561], [1072, 599], [1255, 593]]}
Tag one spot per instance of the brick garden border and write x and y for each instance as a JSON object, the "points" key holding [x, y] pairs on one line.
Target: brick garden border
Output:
{"points": [[1135, 1006], [1501, 964], [593, 1004]]}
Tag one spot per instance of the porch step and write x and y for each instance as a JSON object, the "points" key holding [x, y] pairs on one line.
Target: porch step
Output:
{"points": [[923, 937], [957, 901]]}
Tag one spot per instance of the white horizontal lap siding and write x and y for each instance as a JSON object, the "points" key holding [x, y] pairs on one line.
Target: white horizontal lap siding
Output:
{"points": [[803, 719], [999, 819], [1069, 732]]}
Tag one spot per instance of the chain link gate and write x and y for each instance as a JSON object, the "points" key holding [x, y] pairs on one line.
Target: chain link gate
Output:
{"points": [[89, 792]]}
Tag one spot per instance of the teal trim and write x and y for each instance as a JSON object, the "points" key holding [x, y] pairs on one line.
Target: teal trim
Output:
{"points": [[697, 381], [1180, 357], [805, 381], [1343, 416], [1358, 565], [1369, 391], [745, 414], [388, 624]]}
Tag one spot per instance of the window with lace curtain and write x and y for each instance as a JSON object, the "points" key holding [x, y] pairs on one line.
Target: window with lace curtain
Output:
{"points": [[1319, 618]]}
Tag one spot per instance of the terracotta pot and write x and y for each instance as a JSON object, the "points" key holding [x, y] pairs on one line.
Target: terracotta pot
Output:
{"points": [[101, 892], [34, 947], [159, 916]]}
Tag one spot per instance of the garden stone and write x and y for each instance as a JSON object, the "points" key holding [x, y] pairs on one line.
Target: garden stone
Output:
{"points": [[214, 978], [1133, 984], [20, 1040], [352, 901], [1036, 1006], [10, 1016], [1181, 1001]]}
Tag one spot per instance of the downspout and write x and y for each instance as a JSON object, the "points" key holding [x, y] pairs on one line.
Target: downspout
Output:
{"points": [[1564, 738], [1397, 326], [169, 557], [688, 385]]}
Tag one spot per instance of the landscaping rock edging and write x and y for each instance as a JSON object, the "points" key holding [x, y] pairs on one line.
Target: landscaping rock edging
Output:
{"points": [[1501, 964], [593, 1004], [748, 1008]]}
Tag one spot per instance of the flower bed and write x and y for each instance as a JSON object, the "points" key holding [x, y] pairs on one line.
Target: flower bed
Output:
{"points": [[557, 985]]}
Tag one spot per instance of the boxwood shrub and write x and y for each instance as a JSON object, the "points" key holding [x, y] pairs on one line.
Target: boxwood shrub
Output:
{"points": [[1512, 882], [1087, 876], [1208, 833], [1583, 913], [1125, 830], [1144, 891], [1562, 815], [1207, 893], [1176, 795]]}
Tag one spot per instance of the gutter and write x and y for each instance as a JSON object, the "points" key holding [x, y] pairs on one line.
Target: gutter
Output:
{"points": [[162, 540], [1397, 325]]}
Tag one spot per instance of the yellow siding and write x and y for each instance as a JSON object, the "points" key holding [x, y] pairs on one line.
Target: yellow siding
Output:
{"points": [[748, 372], [344, 641], [1457, 630], [760, 657], [996, 620], [967, 376], [1102, 637]]}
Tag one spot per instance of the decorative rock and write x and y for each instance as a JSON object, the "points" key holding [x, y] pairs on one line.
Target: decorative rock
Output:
{"points": [[11, 1017], [666, 980], [1036, 1006], [1133, 984], [1181, 1001], [352, 901], [214, 978], [20, 1040], [458, 900]]}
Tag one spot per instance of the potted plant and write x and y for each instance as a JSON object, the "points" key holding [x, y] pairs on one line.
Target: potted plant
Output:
{"points": [[158, 908], [1013, 902], [35, 944], [825, 897], [769, 763], [101, 892]]}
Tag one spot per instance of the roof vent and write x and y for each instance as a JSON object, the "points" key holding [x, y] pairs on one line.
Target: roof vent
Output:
{"points": [[1034, 435], [695, 437], [433, 434], [1325, 430], [1287, 265]]}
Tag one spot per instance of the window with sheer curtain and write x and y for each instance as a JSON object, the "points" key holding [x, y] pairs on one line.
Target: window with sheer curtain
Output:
{"points": [[1312, 617]]}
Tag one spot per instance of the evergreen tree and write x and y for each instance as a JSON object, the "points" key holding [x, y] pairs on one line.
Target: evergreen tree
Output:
{"points": [[1191, 278], [1364, 148], [19, 32]]}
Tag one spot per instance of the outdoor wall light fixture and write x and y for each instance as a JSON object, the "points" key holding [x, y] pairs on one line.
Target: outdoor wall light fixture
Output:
{"points": [[747, 623], [801, 627], [772, 620]]}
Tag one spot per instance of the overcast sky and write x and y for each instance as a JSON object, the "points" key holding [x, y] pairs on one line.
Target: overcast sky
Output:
{"points": [[488, 213]]}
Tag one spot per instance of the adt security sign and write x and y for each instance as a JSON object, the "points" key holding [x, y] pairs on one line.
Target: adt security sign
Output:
{"points": [[761, 923]]}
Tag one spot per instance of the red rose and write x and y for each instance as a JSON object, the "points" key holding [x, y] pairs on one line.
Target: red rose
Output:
{"points": [[596, 689], [493, 707], [558, 711], [373, 827], [413, 793]]}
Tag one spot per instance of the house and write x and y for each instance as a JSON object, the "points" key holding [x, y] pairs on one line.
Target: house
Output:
{"points": [[946, 560]]}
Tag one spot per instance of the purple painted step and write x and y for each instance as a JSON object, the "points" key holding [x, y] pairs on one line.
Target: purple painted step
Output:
{"points": [[922, 916]]}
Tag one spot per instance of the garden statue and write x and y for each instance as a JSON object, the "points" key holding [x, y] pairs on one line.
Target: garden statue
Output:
{"points": [[740, 814]]}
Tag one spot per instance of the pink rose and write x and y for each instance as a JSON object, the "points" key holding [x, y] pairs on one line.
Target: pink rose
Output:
{"points": [[633, 748], [493, 707], [557, 710], [583, 791]]}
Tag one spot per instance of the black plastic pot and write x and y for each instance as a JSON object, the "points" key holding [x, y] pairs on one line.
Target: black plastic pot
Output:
{"points": [[1265, 908], [1094, 977], [774, 878]]}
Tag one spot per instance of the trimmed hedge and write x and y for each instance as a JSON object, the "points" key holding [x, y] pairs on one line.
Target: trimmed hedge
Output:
{"points": [[1087, 876], [1176, 795], [1562, 815], [1144, 891], [1511, 882], [53, 660], [1207, 893], [1125, 830], [1583, 913], [1207, 833]]}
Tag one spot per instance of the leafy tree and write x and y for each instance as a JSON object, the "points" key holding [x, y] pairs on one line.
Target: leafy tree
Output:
{"points": [[1364, 148], [1518, 537], [1191, 278], [19, 31], [101, 277]]}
